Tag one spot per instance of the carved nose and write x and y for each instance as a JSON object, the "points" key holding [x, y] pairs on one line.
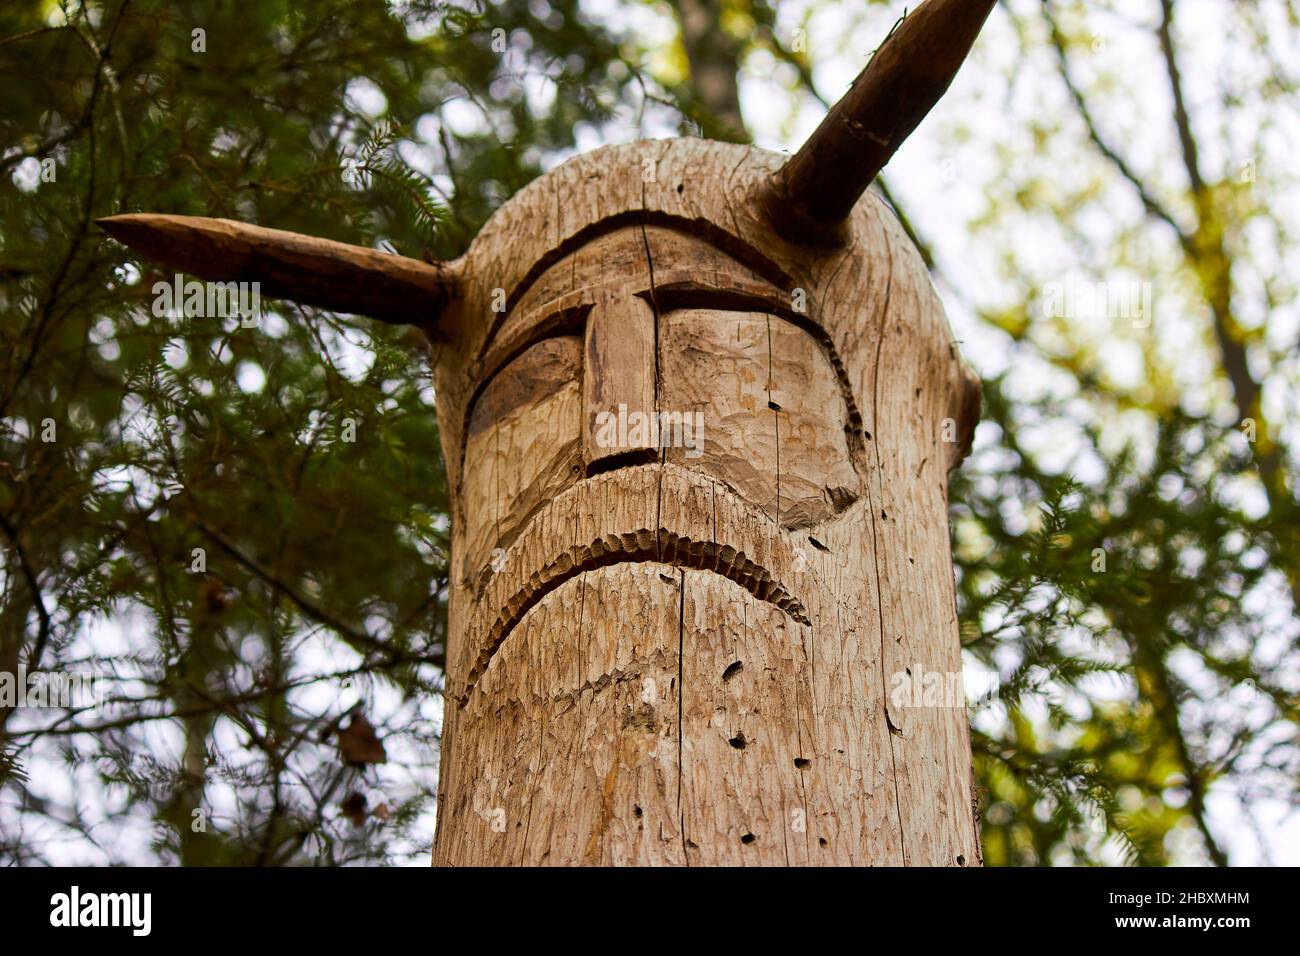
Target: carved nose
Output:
{"points": [[619, 381]]}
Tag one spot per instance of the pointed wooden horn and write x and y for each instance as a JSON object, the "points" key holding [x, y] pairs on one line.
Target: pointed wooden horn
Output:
{"points": [[287, 265], [816, 189]]}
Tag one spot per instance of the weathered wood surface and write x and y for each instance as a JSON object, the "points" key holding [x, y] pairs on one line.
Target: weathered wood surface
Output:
{"points": [[687, 658]]}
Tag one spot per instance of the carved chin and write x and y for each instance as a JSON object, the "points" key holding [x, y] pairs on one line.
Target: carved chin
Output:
{"points": [[659, 511]]}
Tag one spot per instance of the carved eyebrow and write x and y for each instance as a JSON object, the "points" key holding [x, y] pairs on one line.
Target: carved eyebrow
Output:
{"points": [[742, 251], [736, 295]]}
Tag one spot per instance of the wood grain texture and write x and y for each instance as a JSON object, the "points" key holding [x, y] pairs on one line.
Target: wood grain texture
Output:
{"points": [[689, 660], [775, 420]]}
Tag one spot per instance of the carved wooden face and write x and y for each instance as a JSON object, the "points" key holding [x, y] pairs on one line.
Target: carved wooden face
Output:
{"points": [[671, 488], [679, 342], [697, 361]]}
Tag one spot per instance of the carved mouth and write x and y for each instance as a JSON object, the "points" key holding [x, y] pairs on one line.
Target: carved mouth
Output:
{"points": [[744, 546]]}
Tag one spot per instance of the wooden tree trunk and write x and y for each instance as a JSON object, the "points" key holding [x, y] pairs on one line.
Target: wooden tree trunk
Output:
{"points": [[697, 647]]}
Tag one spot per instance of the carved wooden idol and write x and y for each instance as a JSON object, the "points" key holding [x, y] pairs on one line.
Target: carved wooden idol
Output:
{"points": [[698, 403]]}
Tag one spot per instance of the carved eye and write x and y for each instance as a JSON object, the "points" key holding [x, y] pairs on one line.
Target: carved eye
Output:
{"points": [[524, 445], [775, 414]]}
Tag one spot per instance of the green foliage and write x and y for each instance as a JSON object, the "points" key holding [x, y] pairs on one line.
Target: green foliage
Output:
{"points": [[398, 185], [1093, 603]]}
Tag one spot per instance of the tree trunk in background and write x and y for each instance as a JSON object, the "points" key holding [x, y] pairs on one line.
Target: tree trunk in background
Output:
{"points": [[739, 647], [714, 58]]}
